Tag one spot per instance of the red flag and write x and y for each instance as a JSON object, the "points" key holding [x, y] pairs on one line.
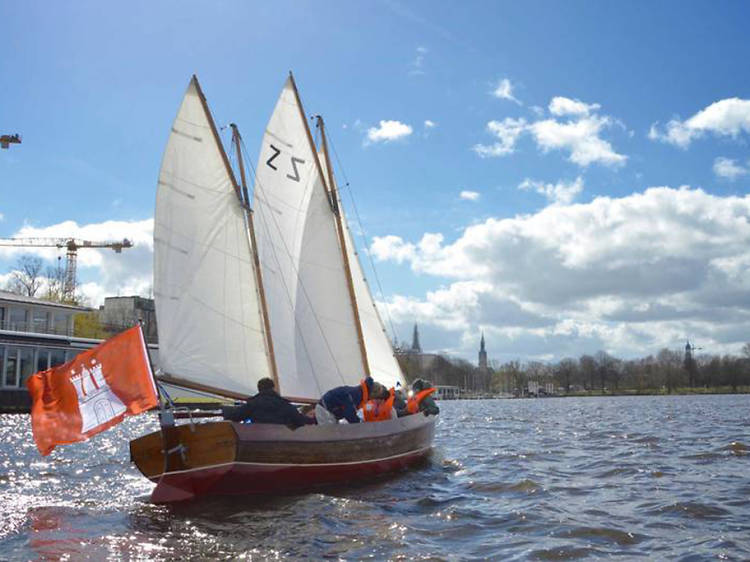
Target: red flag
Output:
{"points": [[92, 392]]}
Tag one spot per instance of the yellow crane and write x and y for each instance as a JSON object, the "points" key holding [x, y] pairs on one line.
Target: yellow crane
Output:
{"points": [[71, 245]]}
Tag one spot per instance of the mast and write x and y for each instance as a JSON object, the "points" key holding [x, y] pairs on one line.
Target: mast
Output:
{"points": [[334, 208], [256, 260], [333, 194]]}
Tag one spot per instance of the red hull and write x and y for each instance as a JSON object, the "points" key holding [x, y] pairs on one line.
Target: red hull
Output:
{"points": [[250, 478]]}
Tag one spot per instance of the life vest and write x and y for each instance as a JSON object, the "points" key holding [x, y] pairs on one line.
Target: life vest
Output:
{"points": [[379, 410], [365, 395], [412, 405]]}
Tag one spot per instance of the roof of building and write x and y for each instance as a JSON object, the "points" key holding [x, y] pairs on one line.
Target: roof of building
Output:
{"points": [[13, 297]]}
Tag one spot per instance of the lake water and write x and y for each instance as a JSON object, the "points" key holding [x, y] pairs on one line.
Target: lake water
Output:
{"points": [[656, 478]]}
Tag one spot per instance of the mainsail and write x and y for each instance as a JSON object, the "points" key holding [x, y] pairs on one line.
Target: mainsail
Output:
{"points": [[209, 313], [311, 314]]}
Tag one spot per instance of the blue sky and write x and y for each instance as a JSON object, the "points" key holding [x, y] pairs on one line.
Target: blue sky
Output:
{"points": [[601, 149]]}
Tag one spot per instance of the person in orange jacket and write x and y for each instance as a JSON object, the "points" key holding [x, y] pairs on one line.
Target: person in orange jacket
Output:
{"points": [[421, 399], [380, 409]]}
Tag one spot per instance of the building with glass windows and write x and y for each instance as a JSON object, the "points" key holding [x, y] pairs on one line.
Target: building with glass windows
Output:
{"points": [[34, 335]]}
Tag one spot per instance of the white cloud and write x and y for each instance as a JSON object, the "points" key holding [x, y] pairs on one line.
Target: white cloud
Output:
{"points": [[445, 308], [560, 193], [581, 138], [507, 132], [629, 275], [388, 131], [392, 248], [469, 195], [101, 272], [429, 124], [727, 117], [580, 135], [417, 64], [728, 168], [565, 106], [504, 90]]}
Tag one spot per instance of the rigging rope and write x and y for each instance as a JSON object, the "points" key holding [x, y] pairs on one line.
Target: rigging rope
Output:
{"points": [[363, 238]]}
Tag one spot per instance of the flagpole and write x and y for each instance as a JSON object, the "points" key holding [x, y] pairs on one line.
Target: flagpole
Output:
{"points": [[169, 434], [151, 369]]}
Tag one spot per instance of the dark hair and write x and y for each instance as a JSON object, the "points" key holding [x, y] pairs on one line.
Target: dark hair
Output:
{"points": [[265, 384]]}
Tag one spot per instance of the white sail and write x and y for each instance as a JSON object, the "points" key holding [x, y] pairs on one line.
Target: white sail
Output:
{"points": [[207, 305], [384, 367], [310, 310]]}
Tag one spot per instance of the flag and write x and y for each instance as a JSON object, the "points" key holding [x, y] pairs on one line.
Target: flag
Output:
{"points": [[92, 392]]}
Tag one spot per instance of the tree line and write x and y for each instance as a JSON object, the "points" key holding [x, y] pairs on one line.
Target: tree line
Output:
{"points": [[668, 371]]}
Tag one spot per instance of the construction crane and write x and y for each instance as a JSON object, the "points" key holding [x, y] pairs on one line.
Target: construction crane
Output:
{"points": [[71, 245], [6, 140]]}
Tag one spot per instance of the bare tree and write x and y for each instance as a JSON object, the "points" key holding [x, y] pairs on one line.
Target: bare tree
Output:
{"points": [[670, 363], [26, 278], [588, 369], [55, 280], [510, 378], [564, 373], [604, 367]]}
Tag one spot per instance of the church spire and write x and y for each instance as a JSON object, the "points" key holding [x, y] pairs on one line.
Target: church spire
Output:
{"points": [[415, 347], [482, 355]]}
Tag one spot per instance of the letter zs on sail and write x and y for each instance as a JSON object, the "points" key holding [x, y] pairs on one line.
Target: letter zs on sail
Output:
{"points": [[295, 161], [276, 152]]}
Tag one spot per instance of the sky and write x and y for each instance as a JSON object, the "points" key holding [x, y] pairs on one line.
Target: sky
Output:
{"points": [[564, 177]]}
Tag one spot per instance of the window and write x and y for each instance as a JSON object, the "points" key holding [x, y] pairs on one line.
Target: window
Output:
{"points": [[2, 318], [19, 365], [39, 317], [10, 376], [42, 360], [57, 357], [18, 319], [60, 323], [25, 364]]}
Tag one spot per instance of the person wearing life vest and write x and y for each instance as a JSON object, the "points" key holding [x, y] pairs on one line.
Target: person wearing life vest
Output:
{"points": [[420, 399], [343, 402], [399, 404], [380, 409]]}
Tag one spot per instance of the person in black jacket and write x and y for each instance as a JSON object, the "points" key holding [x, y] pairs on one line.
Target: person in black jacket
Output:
{"points": [[267, 407]]}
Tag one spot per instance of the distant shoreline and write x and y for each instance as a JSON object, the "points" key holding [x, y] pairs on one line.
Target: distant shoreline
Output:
{"points": [[651, 392]]}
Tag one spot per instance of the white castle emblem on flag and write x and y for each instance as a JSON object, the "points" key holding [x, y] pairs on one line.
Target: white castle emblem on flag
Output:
{"points": [[96, 401]]}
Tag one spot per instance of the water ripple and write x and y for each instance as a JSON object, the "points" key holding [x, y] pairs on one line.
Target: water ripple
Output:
{"points": [[555, 479]]}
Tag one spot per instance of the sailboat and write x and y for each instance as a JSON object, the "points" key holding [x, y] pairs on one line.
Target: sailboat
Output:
{"points": [[269, 288]]}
